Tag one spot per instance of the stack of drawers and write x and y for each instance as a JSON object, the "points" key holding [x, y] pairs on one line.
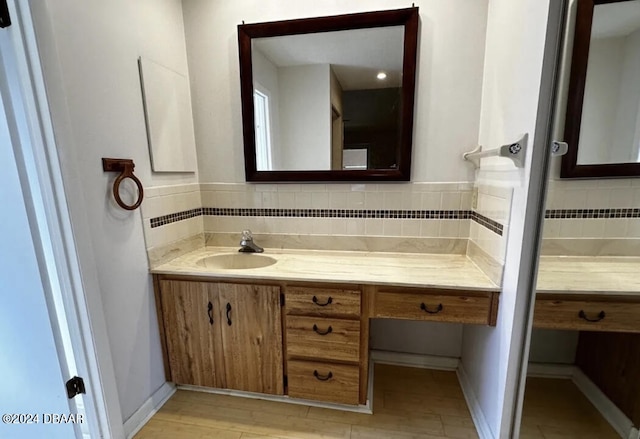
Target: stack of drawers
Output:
{"points": [[323, 343]]}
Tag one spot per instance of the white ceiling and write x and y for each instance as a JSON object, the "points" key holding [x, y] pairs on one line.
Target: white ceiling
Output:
{"points": [[356, 56], [615, 19]]}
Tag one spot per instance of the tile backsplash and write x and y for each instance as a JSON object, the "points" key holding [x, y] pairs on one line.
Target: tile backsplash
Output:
{"points": [[593, 217], [426, 217], [407, 210], [170, 201], [493, 202], [487, 247]]}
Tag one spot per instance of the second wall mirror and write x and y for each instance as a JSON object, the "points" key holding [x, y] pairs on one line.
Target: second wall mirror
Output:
{"points": [[329, 98], [602, 124]]}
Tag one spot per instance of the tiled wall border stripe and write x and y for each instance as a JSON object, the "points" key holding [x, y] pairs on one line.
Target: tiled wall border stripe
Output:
{"points": [[339, 213], [400, 214], [591, 213], [490, 224], [331, 213], [174, 217]]}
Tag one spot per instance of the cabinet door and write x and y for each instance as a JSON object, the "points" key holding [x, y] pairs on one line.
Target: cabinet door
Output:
{"points": [[192, 317], [252, 337]]}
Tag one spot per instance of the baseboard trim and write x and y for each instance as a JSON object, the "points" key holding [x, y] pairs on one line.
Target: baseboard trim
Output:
{"points": [[414, 360], [544, 370], [480, 422], [618, 420], [149, 408], [281, 398]]}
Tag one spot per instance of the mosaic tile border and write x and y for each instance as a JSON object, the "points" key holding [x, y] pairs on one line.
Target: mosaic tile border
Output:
{"points": [[591, 213], [175, 217], [492, 225], [484, 221], [339, 213]]}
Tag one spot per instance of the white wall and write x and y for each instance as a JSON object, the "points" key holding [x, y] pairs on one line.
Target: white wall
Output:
{"points": [[89, 52], [425, 338], [512, 78], [305, 117], [602, 88], [625, 147], [612, 96], [551, 346], [449, 79]]}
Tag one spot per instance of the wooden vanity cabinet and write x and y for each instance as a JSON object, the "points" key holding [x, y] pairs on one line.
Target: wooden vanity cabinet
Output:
{"points": [[224, 335], [326, 342], [235, 334]]}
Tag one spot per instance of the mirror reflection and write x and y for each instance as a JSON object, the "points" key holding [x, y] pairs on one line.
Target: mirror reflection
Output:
{"points": [[610, 128], [329, 100]]}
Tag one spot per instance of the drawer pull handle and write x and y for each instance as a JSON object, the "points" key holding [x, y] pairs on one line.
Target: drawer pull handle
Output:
{"points": [[423, 307], [328, 331], [583, 316], [228, 314], [210, 312], [328, 302], [322, 378]]}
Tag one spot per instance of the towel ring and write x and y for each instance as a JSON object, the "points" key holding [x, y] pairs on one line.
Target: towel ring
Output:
{"points": [[125, 168]]}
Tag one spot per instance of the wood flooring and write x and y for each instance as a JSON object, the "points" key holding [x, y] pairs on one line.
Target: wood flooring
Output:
{"points": [[557, 409], [408, 403]]}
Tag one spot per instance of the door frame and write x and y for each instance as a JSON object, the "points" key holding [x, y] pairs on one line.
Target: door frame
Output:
{"points": [[534, 217], [72, 292]]}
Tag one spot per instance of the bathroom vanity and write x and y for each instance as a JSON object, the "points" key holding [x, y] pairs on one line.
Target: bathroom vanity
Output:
{"points": [[300, 326]]}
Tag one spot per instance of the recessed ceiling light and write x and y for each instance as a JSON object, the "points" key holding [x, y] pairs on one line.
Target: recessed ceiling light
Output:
{"points": [[381, 76]]}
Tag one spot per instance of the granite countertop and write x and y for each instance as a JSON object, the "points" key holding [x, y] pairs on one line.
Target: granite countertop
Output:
{"points": [[447, 271], [589, 275]]}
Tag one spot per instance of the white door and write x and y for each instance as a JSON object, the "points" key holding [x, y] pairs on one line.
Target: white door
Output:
{"points": [[32, 388]]}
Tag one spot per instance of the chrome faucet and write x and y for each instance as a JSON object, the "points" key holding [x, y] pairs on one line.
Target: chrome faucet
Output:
{"points": [[247, 245]]}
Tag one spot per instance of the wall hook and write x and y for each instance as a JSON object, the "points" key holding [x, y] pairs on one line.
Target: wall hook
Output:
{"points": [[125, 168]]}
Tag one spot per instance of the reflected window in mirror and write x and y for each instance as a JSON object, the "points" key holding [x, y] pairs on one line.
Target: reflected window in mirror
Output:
{"points": [[261, 104], [329, 98], [603, 113]]}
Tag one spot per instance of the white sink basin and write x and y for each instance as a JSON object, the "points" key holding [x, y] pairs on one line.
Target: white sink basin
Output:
{"points": [[236, 261]]}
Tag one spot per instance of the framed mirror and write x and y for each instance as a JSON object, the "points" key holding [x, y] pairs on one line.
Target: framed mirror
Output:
{"points": [[329, 98], [602, 126]]}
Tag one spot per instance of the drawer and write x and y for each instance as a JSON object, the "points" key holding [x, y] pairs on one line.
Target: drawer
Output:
{"points": [[582, 314], [323, 302], [437, 307], [328, 339], [323, 381]]}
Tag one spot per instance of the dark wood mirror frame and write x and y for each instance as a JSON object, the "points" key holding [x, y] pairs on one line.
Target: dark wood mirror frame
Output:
{"points": [[399, 17], [577, 80]]}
